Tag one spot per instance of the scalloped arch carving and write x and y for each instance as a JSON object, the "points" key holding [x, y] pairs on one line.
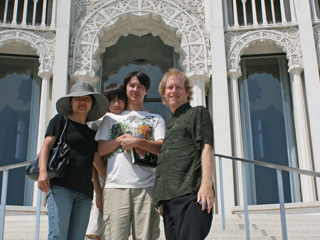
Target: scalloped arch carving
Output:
{"points": [[288, 39], [179, 27], [316, 30], [42, 42]]}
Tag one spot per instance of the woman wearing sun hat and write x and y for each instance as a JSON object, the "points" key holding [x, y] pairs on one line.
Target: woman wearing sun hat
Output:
{"points": [[69, 198]]}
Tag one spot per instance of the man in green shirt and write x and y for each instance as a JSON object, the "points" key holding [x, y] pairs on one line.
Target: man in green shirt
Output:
{"points": [[184, 175]]}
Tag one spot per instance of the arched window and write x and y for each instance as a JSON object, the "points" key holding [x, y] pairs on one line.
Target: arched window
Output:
{"points": [[268, 128], [19, 115]]}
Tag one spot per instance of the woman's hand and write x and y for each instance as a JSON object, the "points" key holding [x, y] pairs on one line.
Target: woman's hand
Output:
{"points": [[43, 179], [44, 182]]}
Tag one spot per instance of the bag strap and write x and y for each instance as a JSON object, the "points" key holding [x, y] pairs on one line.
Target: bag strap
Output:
{"points": [[62, 136]]}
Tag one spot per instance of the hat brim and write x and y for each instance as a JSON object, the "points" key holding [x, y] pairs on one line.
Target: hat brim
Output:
{"points": [[100, 106]]}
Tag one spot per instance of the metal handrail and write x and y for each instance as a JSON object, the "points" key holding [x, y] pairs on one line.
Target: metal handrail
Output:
{"points": [[4, 191], [272, 165], [279, 169]]}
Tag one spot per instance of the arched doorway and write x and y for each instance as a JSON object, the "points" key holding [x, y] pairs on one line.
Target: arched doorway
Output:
{"points": [[146, 53]]}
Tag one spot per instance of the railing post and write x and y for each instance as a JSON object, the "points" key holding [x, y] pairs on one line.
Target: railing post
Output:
{"points": [[35, 2], [254, 12], [25, 11], [38, 215], [313, 11], [282, 208], [5, 12], [44, 13], [283, 12], [53, 14], [15, 10], [225, 14], [235, 14], [223, 218], [3, 201], [292, 11], [272, 11], [244, 12], [245, 201], [264, 15]]}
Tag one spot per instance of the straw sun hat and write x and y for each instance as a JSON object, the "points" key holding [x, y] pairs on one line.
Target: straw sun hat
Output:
{"points": [[100, 104]]}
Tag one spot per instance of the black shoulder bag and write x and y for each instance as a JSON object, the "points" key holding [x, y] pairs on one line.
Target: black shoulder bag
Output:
{"points": [[57, 161]]}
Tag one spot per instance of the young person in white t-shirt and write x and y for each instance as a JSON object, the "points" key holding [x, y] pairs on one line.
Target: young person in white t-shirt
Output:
{"points": [[116, 95], [128, 190]]}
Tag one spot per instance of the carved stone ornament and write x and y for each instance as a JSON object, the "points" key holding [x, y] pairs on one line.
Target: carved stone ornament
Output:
{"points": [[175, 22], [84, 8], [287, 38], [42, 42], [316, 30]]}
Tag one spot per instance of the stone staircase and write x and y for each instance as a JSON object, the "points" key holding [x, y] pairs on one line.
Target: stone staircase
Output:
{"points": [[21, 225]]}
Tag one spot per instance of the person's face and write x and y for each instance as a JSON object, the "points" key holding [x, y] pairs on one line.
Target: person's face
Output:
{"points": [[135, 91], [175, 93], [81, 105], [116, 105]]}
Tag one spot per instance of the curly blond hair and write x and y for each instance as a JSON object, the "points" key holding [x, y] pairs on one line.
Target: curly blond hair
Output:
{"points": [[175, 72]]}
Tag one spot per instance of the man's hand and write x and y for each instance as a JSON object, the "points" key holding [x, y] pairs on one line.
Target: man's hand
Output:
{"points": [[205, 194]]}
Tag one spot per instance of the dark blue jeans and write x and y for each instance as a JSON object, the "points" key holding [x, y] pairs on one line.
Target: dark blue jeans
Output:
{"points": [[184, 220], [68, 213]]}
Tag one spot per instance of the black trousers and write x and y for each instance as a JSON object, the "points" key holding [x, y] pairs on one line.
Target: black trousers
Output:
{"points": [[184, 219]]}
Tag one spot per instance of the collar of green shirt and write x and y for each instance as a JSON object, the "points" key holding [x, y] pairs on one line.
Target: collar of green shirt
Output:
{"points": [[182, 109]]}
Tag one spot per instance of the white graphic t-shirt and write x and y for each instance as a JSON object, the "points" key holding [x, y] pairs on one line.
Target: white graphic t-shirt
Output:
{"points": [[121, 173]]}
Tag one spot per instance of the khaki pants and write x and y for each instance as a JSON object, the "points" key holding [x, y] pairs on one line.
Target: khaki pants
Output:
{"points": [[125, 206]]}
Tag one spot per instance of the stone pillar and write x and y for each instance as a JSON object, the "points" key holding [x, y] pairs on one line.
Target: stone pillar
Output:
{"points": [[43, 120], [60, 77], [84, 77], [236, 131], [199, 95], [312, 84], [220, 101], [302, 136]]}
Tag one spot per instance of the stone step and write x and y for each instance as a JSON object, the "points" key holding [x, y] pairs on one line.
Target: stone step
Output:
{"points": [[264, 233], [262, 226]]}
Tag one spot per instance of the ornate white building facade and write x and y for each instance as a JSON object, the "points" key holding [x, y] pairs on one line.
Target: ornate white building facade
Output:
{"points": [[254, 64]]}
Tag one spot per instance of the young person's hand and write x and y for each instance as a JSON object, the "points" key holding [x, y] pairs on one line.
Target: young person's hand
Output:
{"points": [[99, 200], [140, 151], [127, 141]]}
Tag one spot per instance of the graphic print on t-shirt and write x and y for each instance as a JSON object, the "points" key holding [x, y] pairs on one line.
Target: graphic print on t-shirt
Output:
{"points": [[138, 126]]}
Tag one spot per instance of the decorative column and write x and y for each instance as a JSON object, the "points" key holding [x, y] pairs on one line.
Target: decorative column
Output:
{"points": [[302, 136], [220, 102], [43, 120], [236, 130], [199, 94], [60, 76]]}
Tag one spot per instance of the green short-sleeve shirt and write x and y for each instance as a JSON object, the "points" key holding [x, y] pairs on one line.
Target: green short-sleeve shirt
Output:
{"points": [[179, 164]]}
